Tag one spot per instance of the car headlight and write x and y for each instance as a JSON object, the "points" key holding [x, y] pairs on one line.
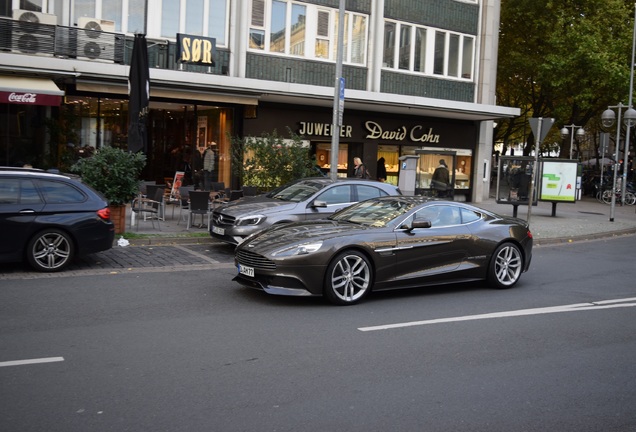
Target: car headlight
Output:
{"points": [[302, 249], [250, 220]]}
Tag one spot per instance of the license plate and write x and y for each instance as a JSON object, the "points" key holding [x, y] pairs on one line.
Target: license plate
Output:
{"points": [[245, 270], [217, 230]]}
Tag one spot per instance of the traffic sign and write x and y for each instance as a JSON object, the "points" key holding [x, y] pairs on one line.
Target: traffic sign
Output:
{"points": [[540, 132]]}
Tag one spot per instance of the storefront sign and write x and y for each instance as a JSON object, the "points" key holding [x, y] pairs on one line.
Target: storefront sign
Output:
{"points": [[323, 129], [26, 98], [196, 49], [415, 134]]}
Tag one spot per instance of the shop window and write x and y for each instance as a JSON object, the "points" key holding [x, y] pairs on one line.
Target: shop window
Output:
{"points": [[323, 158]]}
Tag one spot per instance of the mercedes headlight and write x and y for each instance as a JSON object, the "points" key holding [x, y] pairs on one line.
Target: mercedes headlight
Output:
{"points": [[302, 249], [250, 220]]}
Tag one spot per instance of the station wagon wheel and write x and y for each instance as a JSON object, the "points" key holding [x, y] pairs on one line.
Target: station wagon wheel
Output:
{"points": [[348, 278], [505, 266], [50, 250]]}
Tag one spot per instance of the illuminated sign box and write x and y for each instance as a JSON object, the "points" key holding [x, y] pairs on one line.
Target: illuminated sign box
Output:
{"points": [[558, 180], [198, 50]]}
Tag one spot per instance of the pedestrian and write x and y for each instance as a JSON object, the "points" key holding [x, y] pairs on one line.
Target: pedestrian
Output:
{"points": [[360, 170], [381, 170], [209, 166], [441, 179]]}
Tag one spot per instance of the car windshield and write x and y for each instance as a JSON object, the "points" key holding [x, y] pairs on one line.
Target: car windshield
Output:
{"points": [[296, 192], [373, 213]]}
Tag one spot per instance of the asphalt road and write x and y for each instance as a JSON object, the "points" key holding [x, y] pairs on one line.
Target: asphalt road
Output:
{"points": [[189, 350]]}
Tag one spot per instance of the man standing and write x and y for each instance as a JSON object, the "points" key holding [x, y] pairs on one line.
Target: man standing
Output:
{"points": [[209, 166], [441, 179]]}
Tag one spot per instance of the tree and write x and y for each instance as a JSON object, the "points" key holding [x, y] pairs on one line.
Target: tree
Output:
{"points": [[270, 160], [567, 59]]}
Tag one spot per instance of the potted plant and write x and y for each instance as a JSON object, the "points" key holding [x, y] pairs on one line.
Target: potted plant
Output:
{"points": [[115, 173]]}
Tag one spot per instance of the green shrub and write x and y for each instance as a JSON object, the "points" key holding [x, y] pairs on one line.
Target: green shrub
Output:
{"points": [[113, 172], [270, 160]]}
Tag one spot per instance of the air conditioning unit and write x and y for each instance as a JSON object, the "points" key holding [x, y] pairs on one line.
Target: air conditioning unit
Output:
{"points": [[34, 32], [96, 39], [25, 16], [93, 25]]}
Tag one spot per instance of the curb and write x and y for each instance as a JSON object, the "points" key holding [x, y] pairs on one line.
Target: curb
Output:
{"points": [[584, 237], [167, 241]]}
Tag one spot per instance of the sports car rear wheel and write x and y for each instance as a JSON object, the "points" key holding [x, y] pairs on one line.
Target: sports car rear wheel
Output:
{"points": [[348, 278], [505, 266]]}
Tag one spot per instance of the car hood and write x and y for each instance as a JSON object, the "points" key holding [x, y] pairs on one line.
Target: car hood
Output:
{"points": [[256, 205], [300, 232]]}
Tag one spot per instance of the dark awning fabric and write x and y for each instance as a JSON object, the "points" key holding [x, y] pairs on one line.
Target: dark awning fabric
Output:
{"points": [[29, 91]]}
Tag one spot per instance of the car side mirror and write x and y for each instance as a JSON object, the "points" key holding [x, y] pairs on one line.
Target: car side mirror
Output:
{"points": [[417, 224], [319, 203]]}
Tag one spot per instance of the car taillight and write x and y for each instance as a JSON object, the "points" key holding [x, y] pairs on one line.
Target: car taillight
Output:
{"points": [[104, 213], [529, 234]]}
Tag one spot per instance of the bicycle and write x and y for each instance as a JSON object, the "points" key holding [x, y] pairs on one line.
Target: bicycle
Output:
{"points": [[606, 197]]}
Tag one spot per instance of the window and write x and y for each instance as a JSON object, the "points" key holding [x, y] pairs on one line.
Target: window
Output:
{"points": [[440, 53], [112, 10], [322, 35], [470, 216], [277, 31], [368, 192], [420, 50], [194, 17], [9, 191], [453, 55], [217, 19], [170, 19], [405, 47], [336, 195], [303, 30], [59, 193], [467, 57], [389, 45], [432, 52], [201, 17]]}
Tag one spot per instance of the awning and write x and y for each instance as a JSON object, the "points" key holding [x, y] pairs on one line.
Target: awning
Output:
{"points": [[29, 91], [200, 95]]}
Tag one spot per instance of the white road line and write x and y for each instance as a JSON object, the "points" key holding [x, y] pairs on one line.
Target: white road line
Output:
{"points": [[603, 304], [31, 361]]}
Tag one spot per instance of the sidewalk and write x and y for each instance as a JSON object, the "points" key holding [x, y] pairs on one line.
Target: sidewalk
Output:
{"points": [[585, 219]]}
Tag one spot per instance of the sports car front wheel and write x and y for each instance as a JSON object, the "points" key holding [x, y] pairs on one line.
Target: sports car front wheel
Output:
{"points": [[506, 266], [50, 250], [348, 278]]}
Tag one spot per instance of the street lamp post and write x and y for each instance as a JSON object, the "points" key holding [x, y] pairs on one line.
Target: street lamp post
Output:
{"points": [[607, 118], [580, 132]]}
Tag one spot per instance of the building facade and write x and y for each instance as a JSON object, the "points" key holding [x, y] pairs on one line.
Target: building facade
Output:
{"points": [[419, 79]]}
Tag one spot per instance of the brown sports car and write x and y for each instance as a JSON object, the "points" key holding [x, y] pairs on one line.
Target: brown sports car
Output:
{"points": [[386, 243]]}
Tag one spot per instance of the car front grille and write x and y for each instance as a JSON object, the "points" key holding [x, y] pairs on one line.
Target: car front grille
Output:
{"points": [[222, 219], [255, 260]]}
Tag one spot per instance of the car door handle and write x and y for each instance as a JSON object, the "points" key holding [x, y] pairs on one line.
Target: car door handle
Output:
{"points": [[28, 211]]}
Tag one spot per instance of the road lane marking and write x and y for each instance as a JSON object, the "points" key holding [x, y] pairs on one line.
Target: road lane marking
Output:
{"points": [[603, 304], [31, 361]]}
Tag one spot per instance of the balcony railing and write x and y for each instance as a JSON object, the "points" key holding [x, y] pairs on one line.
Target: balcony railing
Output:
{"points": [[91, 45]]}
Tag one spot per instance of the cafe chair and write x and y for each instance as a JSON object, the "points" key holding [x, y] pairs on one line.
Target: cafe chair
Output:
{"points": [[184, 201], [147, 209], [199, 205]]}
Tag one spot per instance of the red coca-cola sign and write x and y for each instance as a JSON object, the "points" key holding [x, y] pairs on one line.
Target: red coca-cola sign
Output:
{"points": [[29, 98]]}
